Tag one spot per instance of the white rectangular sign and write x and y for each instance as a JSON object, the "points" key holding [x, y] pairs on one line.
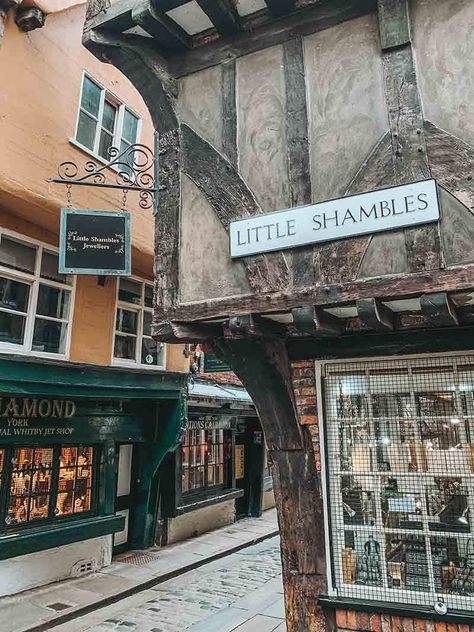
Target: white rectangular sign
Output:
{"points": [[386, 209]]}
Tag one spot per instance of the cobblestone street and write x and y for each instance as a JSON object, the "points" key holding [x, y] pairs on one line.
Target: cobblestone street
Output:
{"points": [[240, 592]]}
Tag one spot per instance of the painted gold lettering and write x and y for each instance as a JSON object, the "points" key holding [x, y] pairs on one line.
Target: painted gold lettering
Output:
{"points": [[69, 408], [44, 408], [30, 408], [58, 408], [11, 409]]}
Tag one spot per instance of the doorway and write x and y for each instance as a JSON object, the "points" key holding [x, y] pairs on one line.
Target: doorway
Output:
{"points": [[124, 496]]}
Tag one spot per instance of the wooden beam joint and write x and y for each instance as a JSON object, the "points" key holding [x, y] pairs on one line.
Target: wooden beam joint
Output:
{"points": [[315, 321], [375, 314], [439, 309], [280, 7], [253, 326], [222, 14]]}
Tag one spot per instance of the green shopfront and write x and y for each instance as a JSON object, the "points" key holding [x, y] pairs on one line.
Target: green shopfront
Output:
{"points": [[80, 448]]}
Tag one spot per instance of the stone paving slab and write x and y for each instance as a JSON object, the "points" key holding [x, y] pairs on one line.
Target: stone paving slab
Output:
{"points": [[28, 611], [240, 593]]}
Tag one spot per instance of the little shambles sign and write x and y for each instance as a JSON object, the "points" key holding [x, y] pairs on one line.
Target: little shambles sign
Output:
{"points": [[386, 209], [94, 242]]}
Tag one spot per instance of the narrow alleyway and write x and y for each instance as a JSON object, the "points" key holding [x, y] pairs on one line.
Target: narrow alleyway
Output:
{"points": [[241, 592]]}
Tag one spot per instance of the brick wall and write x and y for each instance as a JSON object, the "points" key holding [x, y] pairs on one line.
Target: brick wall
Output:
{"points": [[350, 620], [304, 387]]}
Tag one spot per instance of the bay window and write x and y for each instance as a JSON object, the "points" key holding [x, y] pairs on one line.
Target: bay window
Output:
{"points": [[133, 343], [35, 300], [400, 458]]}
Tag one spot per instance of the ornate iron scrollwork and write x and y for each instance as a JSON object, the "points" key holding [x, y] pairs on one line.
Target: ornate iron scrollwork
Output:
{"points": [[134, 171]]}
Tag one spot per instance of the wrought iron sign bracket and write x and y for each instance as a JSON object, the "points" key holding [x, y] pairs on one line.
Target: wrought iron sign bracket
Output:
{"points": [[136, 169]]}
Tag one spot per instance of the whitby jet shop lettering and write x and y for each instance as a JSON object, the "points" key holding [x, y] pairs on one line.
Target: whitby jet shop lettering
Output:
{"points": [[372, 212], [23, 417]]}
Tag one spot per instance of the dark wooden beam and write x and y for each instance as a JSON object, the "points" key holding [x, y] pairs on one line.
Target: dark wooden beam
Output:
{"points": [[229, 112], [384, 288], [280, 7], [253, 325], [231, 198], [406, 125], [370, 344], [439, 309], [375, 314], [222, 14], [325, 14], [315, 321], [168, 35], [175, 332], [465, 314]]}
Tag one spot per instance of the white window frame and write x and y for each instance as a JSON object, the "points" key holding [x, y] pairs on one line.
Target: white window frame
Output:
{"points": [[332, 498], [139, 309], [34, 281], [117, 137]]}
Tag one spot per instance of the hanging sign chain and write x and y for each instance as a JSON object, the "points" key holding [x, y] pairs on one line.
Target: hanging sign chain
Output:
{"points": [[68, 196], [124, 199]]}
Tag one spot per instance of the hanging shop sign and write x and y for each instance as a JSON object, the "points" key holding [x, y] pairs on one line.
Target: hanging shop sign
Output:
{"points": [[239, 462], [210, 422], [212, 364], [376, 211], [95, 242]]}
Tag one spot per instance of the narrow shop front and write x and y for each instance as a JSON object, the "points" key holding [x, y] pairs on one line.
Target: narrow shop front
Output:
{"points": [[73, 439], [216, 476]]}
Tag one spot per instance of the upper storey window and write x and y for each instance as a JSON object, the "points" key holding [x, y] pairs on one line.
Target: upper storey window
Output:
{"points": [[103, 121]]}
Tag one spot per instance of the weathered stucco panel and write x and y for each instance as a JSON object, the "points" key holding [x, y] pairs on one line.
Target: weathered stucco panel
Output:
{"points": [[443, 39], [206, 269], [457, 230], [203, 114], [347, 110], [261, 136]]}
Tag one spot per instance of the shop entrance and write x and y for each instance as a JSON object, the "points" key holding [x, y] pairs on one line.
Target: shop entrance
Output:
{"points": [[124, 503], [248, 468]]}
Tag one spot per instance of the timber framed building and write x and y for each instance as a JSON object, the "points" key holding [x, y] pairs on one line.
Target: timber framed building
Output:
{"points": [[356, 351]]}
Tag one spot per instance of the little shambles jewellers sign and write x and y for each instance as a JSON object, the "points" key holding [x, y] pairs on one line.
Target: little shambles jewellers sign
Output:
{"points": [[94, 242], [386, 209]]}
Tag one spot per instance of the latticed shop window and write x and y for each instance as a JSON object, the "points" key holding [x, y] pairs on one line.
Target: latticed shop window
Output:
{"points": [[203, 459], [46, 483], [400, 443]]}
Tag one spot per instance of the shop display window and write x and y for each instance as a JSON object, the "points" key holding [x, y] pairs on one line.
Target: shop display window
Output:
{"points": [[45, 483], [400, 457], [203, 459]]}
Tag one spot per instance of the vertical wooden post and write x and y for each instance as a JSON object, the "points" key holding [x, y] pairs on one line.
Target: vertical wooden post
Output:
{"points": [[264, 368]]}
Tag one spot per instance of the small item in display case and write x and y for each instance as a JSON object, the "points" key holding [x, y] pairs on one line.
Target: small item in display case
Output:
{"points": [[368, 564]]}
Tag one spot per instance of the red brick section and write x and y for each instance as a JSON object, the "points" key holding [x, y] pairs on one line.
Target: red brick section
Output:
{"points": [[304, 387], [352, 621]]}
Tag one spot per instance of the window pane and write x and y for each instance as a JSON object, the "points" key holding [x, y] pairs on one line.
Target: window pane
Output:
{"points": [[147, 323], [12, 328], [108, 118], [86, 130], [49, 336], [14, 295], [90, 96], [16, 255], [30, 485], [53, 302], [125, 347], [127, 321], [49, 268], [130, 292], [130, 125], [105, 143], [148, 296], [152, 352], [407, 562], [126, 161]]}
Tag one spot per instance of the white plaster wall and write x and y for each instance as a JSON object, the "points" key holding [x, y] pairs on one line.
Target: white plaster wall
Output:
{"points": [[37, 569], [201, 521]]}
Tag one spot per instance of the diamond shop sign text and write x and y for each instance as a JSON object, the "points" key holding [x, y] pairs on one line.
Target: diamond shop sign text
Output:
{"points": [[386, 209]]}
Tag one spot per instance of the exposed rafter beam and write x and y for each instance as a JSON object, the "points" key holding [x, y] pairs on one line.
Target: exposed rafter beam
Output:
{"points": [[280, 7], [439, 309], [253, 325], [169, 36], [185, 332], [222, 14], [315, 321], [375, 314]]}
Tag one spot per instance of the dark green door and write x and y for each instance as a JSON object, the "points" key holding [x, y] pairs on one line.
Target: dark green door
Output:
{"points": [[124, 495]]}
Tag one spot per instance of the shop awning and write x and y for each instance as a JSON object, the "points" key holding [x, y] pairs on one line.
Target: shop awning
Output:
{"points": [[209, 390]]}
